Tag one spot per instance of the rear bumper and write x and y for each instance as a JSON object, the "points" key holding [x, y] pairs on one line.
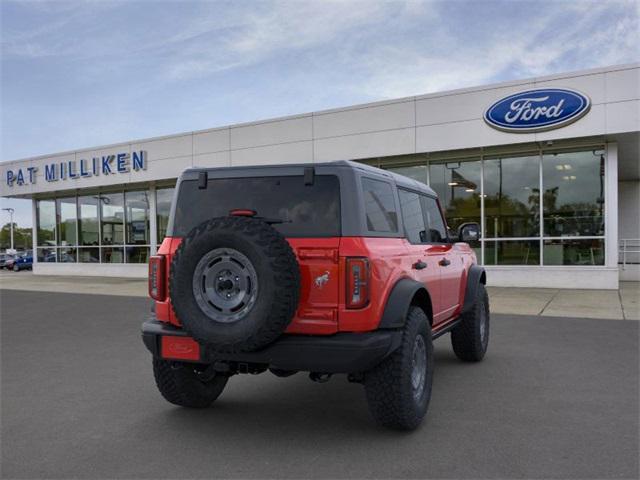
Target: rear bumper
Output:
{"points": [[339, 353]]}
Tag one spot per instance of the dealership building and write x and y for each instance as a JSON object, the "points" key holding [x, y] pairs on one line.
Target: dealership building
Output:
{"points": [[549, 166]]}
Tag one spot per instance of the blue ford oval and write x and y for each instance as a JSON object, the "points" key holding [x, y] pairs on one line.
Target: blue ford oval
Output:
{"points": [[537, 110]]}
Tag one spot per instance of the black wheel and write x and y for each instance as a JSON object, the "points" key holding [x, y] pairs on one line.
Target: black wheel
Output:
{"points": [[234, 283], [180, 384], [16, 268], [399, 389], [470, 338]]}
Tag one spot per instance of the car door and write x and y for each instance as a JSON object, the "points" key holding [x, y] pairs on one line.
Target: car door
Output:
{"points": [[423, 257], [442, 249]]}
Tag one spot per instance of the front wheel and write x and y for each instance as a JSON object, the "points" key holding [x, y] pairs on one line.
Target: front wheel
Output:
{"points": [[399, 388], [16, 268], [470, 339], [180, 384]]}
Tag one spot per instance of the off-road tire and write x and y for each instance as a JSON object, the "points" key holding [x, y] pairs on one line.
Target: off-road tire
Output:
{"points": [[179, 384], [278, 275], [388, 386], [467, 339]]}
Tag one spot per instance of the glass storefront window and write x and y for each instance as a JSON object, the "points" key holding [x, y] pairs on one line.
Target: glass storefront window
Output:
{"points": [[137, 216], [512, 252], [47, 254], [88, 221], [512, 197], [574, 251], [163, 208], [458, 187], [46, 218], [573, 198], [112, 254], [112, 218], [89, 255], [67, 221], [137, 254], [66, 255]]}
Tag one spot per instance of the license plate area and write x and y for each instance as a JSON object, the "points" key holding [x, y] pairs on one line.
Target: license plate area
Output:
{"points": [[179, 348]]}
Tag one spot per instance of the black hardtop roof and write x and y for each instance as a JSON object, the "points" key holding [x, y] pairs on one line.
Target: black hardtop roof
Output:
{"points": [[400, 180]]}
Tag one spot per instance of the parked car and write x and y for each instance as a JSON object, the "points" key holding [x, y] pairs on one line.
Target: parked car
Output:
{"points": [[333, 268], [4, 258], [22, 262]]}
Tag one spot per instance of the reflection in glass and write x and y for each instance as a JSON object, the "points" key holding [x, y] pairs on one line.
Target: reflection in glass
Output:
{"points": [[573, 198], [46, 255], [137, 215], [512, 197], [89, 255], [112, 218], [412, 216], [573, 251], [88, 220], [67, 219], [458, 187], [512, 252], [163, 208], [436, 229], [112, 254], [137, 254], [46, 218]]}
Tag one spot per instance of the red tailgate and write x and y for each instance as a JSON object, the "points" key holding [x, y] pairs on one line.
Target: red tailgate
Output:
{"points": [[319, 277]]}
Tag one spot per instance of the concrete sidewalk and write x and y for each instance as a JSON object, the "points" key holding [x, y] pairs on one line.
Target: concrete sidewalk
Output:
{"points": [[623, 304]]}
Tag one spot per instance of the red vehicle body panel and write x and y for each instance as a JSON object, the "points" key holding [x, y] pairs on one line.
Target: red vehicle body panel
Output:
{"points": [[322, 308]]}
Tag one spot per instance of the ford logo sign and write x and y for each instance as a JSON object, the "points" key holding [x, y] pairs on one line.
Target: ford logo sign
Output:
{"points": [[537, 110]]}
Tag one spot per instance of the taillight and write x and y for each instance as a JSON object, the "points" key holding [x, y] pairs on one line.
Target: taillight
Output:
{"points": [[156, 277], [357, 282]]}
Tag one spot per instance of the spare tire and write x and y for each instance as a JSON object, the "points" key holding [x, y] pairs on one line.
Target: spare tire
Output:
{"points": [[234, 284]]}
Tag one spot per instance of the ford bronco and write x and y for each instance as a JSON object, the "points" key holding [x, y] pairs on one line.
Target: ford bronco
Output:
{"points": [[328, 268]]}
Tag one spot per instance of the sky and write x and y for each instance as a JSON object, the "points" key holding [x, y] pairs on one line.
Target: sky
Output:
{"points": [[87, 73]]}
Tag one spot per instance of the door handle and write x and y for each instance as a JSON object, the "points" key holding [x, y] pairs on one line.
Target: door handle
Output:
{"points": [[444, 262], [419, 265]]}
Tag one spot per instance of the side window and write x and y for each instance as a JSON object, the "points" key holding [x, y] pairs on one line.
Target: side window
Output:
{"points": [[380, 207], [412, 216], [437, 231]]}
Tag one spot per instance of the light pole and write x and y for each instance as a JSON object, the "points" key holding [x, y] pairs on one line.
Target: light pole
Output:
{"points": [[10, 210]]}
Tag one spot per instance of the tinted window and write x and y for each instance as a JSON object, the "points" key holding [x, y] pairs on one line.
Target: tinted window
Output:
{"points": [[436, 229], [412, 216], [380, 207], [306, 210]]}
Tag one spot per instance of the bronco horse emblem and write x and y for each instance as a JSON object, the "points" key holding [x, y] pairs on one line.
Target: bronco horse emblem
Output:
{"points": [[322, 279]]}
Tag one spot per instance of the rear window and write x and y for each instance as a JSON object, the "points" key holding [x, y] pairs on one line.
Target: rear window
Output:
{"points": [[380, 206], [306, 210]]}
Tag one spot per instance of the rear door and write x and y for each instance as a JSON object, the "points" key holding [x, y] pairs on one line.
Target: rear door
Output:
{"points": [[424, 258], [447, 265]]}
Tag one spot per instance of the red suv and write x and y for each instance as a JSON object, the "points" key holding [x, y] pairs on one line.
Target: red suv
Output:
{"points": [[331, 268]]}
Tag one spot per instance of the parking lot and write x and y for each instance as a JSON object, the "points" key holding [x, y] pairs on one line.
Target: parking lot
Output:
{"points": [[555, 397]]}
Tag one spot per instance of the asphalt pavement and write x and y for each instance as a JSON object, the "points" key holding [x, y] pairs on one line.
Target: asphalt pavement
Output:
{"points": [[554, 398]]}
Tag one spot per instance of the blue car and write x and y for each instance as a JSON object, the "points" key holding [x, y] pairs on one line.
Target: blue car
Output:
{"points": [[23, 262]]}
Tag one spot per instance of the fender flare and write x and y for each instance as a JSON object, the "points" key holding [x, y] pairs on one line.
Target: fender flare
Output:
{"points": [[475, 277], [399, 301]]}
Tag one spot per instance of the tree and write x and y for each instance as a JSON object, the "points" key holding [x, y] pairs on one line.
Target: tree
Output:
{"points": [[22, 237]]}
